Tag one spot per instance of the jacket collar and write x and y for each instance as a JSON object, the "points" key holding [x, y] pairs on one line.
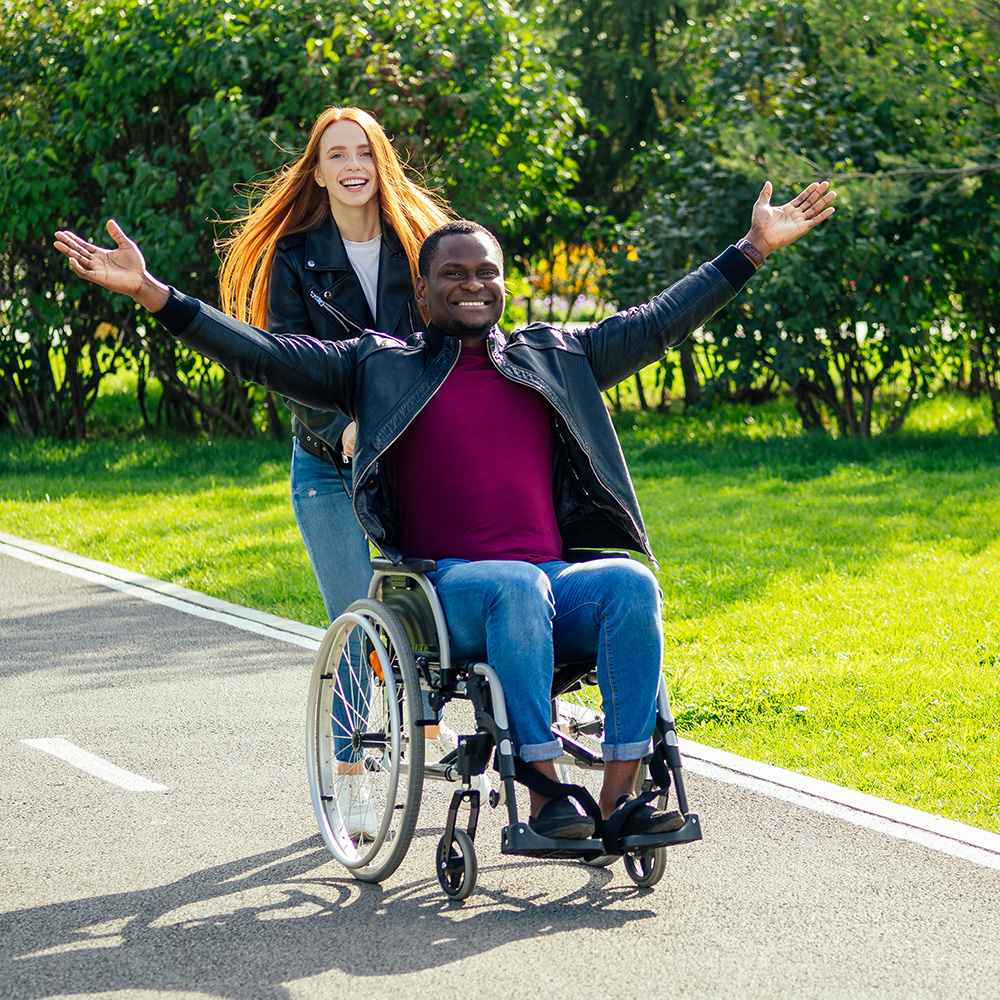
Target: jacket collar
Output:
{"points": [[325, 248], [325, 252], [436, 338]]}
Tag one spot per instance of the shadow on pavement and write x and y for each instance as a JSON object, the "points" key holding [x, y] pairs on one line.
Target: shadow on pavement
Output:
{"points": [[242, 929]]}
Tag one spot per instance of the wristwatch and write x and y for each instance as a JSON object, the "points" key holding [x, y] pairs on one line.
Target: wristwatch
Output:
{"points": [[751, 251]]}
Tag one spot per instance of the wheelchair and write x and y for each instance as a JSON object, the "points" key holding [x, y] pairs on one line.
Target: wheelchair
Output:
{"points": [[386, 658]]}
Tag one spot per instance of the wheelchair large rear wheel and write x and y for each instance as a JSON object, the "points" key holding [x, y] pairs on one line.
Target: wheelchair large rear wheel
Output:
{"points": [[581, 761], [365, 749]]}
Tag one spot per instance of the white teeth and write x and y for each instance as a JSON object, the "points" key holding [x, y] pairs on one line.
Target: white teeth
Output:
{"points": [[463, 304]]}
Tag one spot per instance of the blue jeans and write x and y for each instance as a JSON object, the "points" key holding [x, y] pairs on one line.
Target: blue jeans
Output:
{"points": [[335, 541], [520, 618]]}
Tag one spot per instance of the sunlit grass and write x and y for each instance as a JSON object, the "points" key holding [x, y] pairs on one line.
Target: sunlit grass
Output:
{"points": [[830, 605], [212, 516]]}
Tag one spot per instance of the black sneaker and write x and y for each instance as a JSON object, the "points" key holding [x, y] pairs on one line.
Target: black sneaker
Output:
{"points": [[645, 820], [561, 819]]}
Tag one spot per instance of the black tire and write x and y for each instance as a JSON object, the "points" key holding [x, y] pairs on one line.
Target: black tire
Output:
{"points": [[457, 868], [646, 868], [365, 690]]}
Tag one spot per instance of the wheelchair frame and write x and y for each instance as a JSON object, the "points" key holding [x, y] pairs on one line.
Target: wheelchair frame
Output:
{"points": [[378, 710]]}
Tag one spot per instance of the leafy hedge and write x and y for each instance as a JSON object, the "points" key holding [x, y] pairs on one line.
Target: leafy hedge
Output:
{"points": [[899, 294], [676, 113], [158, 112]]}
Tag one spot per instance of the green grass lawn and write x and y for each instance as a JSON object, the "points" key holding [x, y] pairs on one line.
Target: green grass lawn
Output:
{"points": [[830, 605]]}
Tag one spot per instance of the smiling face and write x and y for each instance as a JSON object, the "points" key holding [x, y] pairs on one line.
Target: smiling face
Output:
{"points": [[346, 167], [463, 289]]}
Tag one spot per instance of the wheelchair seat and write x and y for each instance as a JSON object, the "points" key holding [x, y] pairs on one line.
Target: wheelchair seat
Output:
{"points": [[380, 663]]}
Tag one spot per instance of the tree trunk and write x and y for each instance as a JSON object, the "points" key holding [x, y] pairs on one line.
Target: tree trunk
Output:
{"points": [[640, 392], [806, 408], [689, 373]]}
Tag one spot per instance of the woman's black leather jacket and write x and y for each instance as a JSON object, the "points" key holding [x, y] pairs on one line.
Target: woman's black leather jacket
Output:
{"points": [[314, 291], [383, 382]]}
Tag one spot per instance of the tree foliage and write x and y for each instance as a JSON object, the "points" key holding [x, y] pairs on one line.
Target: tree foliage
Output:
{"points": [[630, 60], [158, 112], [858, 319], [550, 123], [967, 200]]}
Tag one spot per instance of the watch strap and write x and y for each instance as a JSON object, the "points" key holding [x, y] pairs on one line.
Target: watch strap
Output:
{"points": [[751, 251]]}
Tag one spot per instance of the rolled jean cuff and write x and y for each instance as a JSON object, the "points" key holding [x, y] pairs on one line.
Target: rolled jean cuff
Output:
{"points": [[540, 751], [626, 751]]}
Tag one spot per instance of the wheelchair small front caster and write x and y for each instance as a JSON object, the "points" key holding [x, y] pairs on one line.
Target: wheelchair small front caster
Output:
{"points": [[456, 865], [646, 868]]}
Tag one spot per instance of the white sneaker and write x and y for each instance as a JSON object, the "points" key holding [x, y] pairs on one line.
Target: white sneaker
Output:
{"points": [[354, 804], [446, 741], [481, 782]]}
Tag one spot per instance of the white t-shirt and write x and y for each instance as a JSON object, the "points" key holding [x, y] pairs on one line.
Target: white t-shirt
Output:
{"points": [[364, 260]]}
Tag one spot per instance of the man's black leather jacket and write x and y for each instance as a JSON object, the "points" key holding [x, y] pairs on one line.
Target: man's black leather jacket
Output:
{"points": [[314, 291], [383, 382]]}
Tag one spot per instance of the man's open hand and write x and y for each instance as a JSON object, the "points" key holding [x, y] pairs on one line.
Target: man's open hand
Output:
{"points": [[775, 226], [120, 270]]}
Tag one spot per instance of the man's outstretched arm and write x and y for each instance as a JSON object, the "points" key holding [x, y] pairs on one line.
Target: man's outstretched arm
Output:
{"points": [[628, 341], [120, 270], [313, 372]]}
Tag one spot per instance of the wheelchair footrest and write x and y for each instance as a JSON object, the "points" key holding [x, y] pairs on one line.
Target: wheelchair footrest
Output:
{"points": [[688, 833], [519, 838]]}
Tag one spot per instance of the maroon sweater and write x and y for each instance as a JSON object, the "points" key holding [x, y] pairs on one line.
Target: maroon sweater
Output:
{"points": [[491, 440]]}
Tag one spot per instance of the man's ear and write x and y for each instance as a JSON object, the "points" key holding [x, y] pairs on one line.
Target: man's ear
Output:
{"points": [[420, 291]]}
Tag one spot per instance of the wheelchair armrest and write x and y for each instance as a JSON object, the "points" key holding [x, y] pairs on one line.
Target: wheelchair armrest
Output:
{"points": [[585, 555], [381, 565]]}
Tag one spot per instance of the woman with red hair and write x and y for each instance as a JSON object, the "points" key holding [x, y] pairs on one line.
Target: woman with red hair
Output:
{"points": [[330, 249]]}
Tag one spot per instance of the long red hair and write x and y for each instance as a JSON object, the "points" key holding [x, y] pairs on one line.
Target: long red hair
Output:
{"points": [[292, 201]]}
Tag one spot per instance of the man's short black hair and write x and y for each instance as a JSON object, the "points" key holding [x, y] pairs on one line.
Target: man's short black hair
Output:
{"points": [[464, 227]]}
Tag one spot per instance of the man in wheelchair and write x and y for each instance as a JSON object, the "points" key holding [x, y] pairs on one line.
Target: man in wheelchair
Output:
{"points": [[493, 454]]}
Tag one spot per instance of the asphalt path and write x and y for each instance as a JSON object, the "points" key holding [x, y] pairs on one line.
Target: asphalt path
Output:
{"points": [[208, 879]]}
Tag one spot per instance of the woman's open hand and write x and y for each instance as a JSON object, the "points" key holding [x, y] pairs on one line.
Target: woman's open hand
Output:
{"points": [[120, 270]]}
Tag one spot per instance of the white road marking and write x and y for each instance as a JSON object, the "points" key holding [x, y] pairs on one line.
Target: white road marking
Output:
{"points": [[92, 764], [158, 592], [944, 835]]}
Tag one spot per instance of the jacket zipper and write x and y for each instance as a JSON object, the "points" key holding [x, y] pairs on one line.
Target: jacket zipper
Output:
{"points": [[334, 311]]}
